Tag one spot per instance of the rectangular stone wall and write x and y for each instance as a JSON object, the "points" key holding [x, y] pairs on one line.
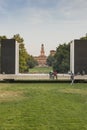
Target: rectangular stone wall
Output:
{"points": [[9, 56], [78, 56]]}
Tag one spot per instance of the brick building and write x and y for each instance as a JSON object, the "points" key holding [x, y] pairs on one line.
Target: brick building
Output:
{"points": [[52, 52], [41, 59]]}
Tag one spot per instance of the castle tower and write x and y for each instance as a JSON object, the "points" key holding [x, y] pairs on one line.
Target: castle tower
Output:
{"points": [[42, 50], [41, 59]]}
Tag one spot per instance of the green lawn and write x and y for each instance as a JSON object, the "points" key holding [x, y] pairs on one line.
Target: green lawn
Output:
{"points": [[38, 106], [40, 70]]}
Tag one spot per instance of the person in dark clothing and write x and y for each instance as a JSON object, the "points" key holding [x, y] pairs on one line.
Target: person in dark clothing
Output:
{"points": [[72, 78], [51, 75]]}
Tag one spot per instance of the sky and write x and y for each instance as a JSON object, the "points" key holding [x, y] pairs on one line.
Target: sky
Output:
{"points": [[48, 22]]}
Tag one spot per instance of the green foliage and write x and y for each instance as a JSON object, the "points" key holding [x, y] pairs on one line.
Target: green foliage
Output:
{"points": [[37, 106], [50, 60], [23, 55], [62, 58], [2, 37], [31, 62], [18, 38]]}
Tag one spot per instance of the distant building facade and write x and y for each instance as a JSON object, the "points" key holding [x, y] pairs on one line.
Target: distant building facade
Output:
{"points": [[52, 52], [41, 59]]}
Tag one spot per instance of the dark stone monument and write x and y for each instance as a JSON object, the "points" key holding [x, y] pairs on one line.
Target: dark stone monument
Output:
{"points": [[9, 56], [78, 56]]}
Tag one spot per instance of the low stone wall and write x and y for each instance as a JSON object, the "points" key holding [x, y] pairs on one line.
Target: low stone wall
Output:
{"points": [[40, 77]]}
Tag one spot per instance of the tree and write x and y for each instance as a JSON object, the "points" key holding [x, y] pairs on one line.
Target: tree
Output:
{"points": [[50, 60], [2, 37], [23, 55], [62, 58], [18, 38], [31, 62]]}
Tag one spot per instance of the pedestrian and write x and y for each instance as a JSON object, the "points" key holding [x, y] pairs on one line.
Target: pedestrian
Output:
{"points": [[51, 75], [72, 78], [55, 74]]}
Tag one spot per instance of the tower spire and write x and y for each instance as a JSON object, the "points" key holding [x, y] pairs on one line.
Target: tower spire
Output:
{"points": [[42, 50]]}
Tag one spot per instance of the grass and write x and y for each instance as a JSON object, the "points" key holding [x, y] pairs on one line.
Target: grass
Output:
{"points": [[40, 70], [43, 106]]}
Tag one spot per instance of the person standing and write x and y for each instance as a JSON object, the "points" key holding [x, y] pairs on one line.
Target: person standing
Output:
{"points": [[51, 75], [55, 74], [72, 78]]}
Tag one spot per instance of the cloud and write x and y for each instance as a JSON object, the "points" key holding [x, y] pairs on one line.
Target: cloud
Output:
{"points": [[2, 7], [43, 21], [74, 10], [49, 10]]}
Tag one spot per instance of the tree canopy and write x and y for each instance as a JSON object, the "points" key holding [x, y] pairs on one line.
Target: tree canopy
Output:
{"points": [[23, 55], [31, 61], [50, 60], [62, 58]]}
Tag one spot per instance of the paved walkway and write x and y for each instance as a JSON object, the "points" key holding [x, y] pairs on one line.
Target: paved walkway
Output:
{"points": [[39, 77]]}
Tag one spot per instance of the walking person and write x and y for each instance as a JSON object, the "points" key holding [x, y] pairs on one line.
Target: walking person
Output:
{"points": [[72, 78]]}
